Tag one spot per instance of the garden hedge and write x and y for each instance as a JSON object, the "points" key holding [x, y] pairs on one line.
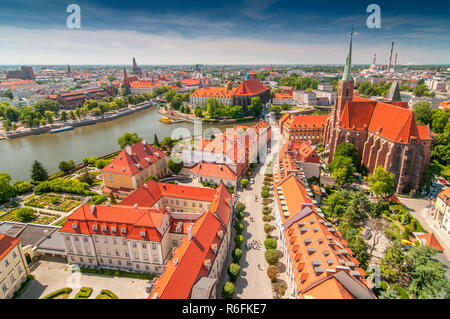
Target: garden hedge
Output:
{"points": [[58, 292]]}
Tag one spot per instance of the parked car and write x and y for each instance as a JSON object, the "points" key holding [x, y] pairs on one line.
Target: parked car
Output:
{"points": [[149, 286], [251, 180]]}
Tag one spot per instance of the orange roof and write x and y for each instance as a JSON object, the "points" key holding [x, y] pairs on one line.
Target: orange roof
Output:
{"points": [[431, 241], [133, 159], [190, 260], [250, 87], [282, 96], [424, 132], [307, 121], [138, 223], [7, 243], [213, 92], [144, 84], [149, 193], [191, 82], [214, 170], [393, 122]]}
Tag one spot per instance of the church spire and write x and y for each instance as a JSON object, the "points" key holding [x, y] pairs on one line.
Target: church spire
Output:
{"points": [[347, 76]]}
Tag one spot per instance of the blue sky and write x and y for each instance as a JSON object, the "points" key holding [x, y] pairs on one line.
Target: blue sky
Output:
{"points": [[221, 32]]}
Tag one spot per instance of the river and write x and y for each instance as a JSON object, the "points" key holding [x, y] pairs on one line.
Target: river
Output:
{"points": [[17, 155]]}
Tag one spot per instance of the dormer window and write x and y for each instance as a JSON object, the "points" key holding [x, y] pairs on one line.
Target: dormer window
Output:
{"points": [[74, 225], [143, 233], [94, 227], [124, 230], [113, 229], [104, 228]]}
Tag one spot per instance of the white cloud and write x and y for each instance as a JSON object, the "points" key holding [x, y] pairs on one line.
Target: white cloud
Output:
{"points": [[51, 46]]}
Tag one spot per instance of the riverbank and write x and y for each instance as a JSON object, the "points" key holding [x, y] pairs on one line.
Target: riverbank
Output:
{"points": [[90, 121], [191, 118]]}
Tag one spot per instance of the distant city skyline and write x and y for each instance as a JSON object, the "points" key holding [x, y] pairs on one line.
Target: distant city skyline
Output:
{"points": [[233, 32]]}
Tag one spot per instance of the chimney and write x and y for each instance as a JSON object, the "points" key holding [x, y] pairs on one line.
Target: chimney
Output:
{"points": [[128, 150], [190, 235]]}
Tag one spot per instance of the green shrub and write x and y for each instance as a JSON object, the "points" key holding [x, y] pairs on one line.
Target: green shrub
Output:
{"points": [[58, 292], [239, 227], [265, 193], [240, 207], [106, 294], [383, 285], [402, 292], [270, 243], [240, 215], [268, 228], [228, 290], [238, 240], [98, 199], [272, 256], [266, 218], [233, 271], [236, 254], [61, 185], [84, 293]]}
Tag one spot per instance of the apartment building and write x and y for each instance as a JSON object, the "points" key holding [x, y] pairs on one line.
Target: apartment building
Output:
{"points": [[319, 263], [303, 127], [282, 98], [131, 167], [13, 267], [441, 210], [220, 94], [179, 232]]}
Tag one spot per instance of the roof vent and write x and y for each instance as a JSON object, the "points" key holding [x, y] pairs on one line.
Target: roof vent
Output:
{"points": [[190, 235], [147, 159], [311, 250], [135, 206], [175, 261], [120, 157], [123, 170], [145, 186], [207, 264]]}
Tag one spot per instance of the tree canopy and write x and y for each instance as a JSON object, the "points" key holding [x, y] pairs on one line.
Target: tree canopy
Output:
{"points": [[128, 139]]}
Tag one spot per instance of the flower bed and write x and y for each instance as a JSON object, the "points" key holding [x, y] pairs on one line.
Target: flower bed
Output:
{"points": [[106, 294], [59, 294]]}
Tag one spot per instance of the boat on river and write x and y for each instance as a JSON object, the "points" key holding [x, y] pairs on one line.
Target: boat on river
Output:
{"points": [[165, 119], [61, 129]]}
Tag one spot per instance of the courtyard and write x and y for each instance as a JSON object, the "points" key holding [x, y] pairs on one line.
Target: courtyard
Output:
{"points": [[51, 275]]}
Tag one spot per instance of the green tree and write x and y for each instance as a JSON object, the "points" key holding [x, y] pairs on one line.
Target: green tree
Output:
{"points": [[233, 271], [177, 102], [265, 193], [198, 112], [343, 170], [439, 120], [421, 90], [66, 167], [393, 264], [244, 182], [228, 290], [128, 139], [64, 116], [423, 112], [21, 187], [256, 106], [86, 178], [6, 191], [272, 256], [38, 172], [275, 109], [238, 240], [240, 207], [239, 227], [112, 199], [169, 96], [272, 272], [381, 182], [236, 254], [25, 214], [348, 150], [156, 141], [270, 243], [175, 164]]}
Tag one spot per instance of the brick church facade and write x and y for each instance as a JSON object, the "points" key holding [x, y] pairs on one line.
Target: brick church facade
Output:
{"points": [[385, 133]]}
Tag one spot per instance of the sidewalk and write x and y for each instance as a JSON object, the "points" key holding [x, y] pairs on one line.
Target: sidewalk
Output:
{"points": [[253, 282]]}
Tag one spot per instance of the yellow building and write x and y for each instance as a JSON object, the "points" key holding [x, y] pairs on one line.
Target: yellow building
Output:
{"points": [[131, 167], [13, 267]]}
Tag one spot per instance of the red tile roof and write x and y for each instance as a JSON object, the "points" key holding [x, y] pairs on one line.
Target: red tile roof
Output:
{"points": [[136, 221], [188, 263], [149, 193], [7, 243], [127, 161], [214, 170], [250, 87], [431, 241], [213, 92], [307, 121]]}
